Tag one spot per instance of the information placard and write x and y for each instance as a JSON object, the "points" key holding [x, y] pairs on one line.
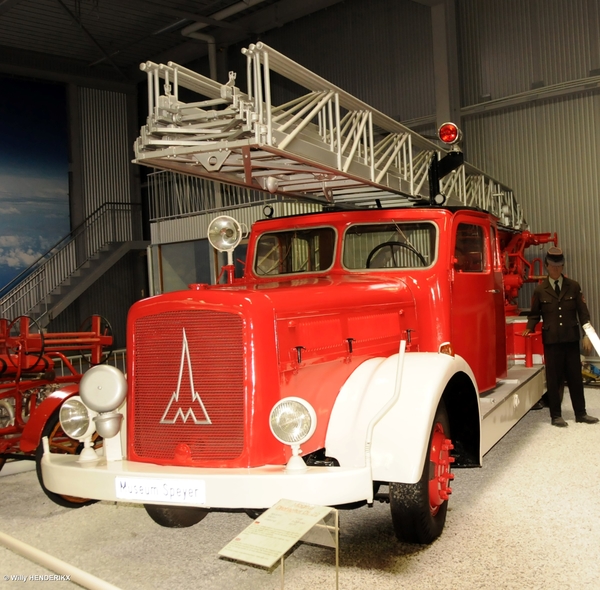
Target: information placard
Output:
{"points": [[274, 533]]}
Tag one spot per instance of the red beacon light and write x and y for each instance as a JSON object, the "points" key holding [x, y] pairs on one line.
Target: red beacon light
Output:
{"points": [[449, 133]]}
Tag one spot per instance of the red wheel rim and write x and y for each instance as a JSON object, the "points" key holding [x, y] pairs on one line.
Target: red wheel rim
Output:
{"points": [[439, 468]]}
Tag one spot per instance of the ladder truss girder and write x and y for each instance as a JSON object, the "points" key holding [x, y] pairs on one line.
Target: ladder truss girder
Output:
{"points": [[324, 145]]}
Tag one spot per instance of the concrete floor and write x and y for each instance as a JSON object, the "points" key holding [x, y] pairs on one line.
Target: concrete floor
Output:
{"points": [[530, 518]]}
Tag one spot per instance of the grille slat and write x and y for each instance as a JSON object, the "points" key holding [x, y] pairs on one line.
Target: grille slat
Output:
{"points": [[215, 344]]}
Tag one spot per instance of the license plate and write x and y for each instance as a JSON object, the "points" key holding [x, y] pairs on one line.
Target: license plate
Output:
{"points": [[176, 491]]}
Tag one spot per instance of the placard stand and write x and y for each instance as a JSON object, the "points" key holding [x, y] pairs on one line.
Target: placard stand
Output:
{"points": [[269, 538]]}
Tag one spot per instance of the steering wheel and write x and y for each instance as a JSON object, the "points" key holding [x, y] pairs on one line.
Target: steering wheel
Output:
{"points": [[105, 330], [391, 245]]}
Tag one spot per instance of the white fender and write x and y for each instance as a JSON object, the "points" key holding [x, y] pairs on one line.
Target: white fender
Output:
{"points": [[401, 436]]}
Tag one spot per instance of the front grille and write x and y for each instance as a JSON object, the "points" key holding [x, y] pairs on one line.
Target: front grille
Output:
{"points": [[167, 413]]}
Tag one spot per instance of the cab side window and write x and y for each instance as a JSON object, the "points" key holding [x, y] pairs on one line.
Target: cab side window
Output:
{"points": [[469, 252]]}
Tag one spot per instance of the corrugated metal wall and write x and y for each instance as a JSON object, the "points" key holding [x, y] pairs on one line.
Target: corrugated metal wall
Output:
{"points": [[196, 226], [105, 154], [546, 150], [380, 51], [105, 148], [512, 46]]}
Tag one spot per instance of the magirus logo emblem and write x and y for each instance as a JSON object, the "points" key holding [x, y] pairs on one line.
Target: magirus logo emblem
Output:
{"points": [[186, 408]]}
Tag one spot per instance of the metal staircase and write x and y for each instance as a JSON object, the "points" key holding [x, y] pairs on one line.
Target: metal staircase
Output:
{"points": [[325, 145], [72, 265]]}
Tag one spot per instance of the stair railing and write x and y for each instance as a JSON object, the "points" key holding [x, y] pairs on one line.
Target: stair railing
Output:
{"points": [[111, 222]]}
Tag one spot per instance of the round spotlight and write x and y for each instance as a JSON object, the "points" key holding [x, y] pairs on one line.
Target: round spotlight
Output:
{"points": [[224, 233], [293, 421], [75, 419]]}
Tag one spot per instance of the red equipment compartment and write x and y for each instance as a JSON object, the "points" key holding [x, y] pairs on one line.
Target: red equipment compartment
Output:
{"points": [[520, 349]]}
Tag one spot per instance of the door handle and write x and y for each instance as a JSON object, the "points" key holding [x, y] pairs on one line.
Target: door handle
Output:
{"points": [[492, 291]]}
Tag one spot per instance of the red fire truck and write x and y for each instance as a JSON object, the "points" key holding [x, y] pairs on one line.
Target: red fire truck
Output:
{"points": [[368, 348]]}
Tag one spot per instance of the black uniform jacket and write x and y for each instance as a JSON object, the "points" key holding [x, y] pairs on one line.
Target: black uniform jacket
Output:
{"points": [[559, 314]]}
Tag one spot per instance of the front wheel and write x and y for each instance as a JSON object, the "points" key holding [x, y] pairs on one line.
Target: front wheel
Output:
{"points": [[419, 510], [177, 517], [59, 443]]}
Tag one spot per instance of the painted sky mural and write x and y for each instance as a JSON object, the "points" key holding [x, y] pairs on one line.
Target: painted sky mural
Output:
{"points": [[34, 199]]}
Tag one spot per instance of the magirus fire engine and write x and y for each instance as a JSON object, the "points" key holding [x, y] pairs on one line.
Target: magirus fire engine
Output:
{"points": [[367, 349]]}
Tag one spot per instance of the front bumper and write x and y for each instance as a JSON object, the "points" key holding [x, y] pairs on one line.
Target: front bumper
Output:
{"points": [[260, 487]]}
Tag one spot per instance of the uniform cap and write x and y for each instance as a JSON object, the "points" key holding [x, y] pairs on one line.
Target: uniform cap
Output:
{"points": [[555, 257]]}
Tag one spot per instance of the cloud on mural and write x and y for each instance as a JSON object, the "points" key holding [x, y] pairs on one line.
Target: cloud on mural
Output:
{"points": [[34, 215], [34, 185]]}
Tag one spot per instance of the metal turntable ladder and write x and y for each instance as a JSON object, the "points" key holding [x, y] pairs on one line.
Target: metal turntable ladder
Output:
{"points": [[325, 145]]}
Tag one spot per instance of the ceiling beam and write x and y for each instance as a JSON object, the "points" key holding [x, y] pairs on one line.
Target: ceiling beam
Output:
{"points": [[428, 2], [91, 38], [157, 8], [261, 21], [32, 64], [6, 5]]}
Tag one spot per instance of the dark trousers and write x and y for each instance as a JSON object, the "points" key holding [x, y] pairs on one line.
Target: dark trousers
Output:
{"points": [[563, 363]]}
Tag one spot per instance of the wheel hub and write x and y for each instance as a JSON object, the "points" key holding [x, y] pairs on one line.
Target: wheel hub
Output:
{"points": [[439, 464]]}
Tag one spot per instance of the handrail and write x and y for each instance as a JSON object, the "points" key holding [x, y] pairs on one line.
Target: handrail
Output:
{"points": [[110, 223], [15, 280]]}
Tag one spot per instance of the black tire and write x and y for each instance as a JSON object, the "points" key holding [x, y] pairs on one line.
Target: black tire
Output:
{"points": [[177, 517], [59, 443], [419, 510]]}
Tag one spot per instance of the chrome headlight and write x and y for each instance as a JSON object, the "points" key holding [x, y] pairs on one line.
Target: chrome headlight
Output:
{"points": [[293, 420], [76, 420], [103, 388]]}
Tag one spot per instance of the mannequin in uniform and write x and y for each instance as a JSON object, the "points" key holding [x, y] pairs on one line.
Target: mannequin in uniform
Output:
{"points": [[558, 301]]}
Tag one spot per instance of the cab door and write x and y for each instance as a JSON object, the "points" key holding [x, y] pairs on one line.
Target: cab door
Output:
{"points": [[476, 295]]}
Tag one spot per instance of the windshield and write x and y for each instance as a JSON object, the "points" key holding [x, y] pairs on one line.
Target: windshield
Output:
{"points": [[390, 245], [295, 251]]}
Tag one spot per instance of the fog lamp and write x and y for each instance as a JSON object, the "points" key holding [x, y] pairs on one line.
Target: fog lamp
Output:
{"points": [[77, 421], [293, 421]]}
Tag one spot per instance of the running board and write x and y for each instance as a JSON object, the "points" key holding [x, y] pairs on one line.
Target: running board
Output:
{"points": [[505, 405]]}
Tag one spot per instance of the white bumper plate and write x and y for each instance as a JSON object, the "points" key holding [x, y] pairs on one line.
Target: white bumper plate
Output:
{"points": [[180, 491]]}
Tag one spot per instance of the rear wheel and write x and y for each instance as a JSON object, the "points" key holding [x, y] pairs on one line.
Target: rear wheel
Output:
{"points": [[419, 510], [59, 443], [177, 517]]}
